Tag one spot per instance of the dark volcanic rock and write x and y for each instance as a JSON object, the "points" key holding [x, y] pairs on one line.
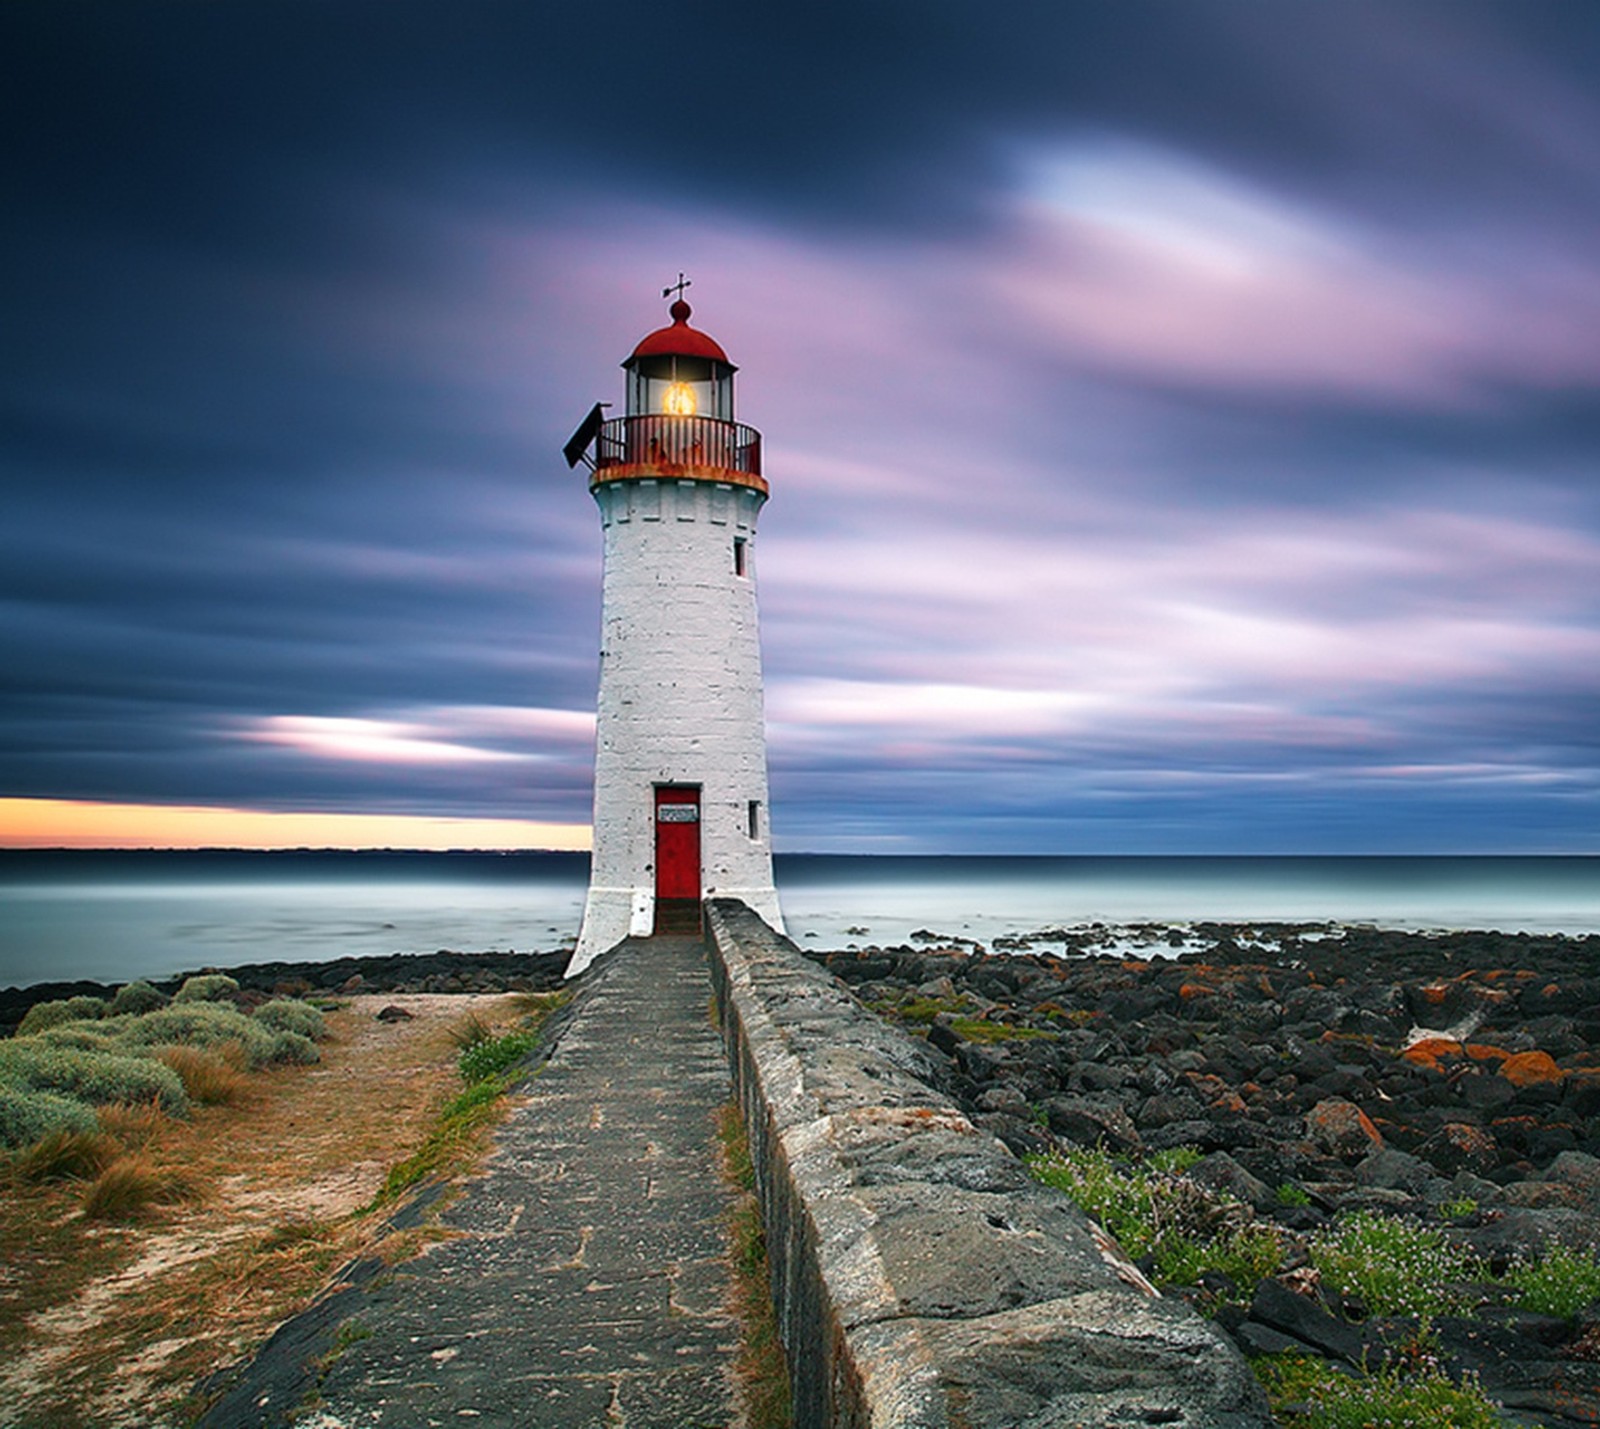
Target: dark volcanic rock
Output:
{"points": [[1310, 1323]]}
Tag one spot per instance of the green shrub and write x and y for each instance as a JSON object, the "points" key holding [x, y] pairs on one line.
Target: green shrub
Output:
{"points": [[67, 1009], [1290, 1194], [207, 987], [28, 1116], [470, 1029], [291, 1049], [84, 1036], [202, 1024], [1394, 1397], [1392, 1266], [495, 1055], [97, 1078], [1186, 1228], [1560, 1282], [137, 996], [287, 1014]]}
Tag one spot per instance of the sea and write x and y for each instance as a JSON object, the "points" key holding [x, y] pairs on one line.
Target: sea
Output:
{"points": [[111, 916]]}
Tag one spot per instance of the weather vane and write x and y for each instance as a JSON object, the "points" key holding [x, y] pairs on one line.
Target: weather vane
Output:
{"points": [[677, 287]]}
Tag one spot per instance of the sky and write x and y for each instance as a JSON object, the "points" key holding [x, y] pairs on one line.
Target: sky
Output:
{"points": [[1182, 416]]}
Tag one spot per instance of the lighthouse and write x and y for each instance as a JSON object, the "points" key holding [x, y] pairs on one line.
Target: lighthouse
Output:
{"points": [[680, 769]]}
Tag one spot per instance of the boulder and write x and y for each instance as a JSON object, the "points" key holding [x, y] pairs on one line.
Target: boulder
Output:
{"points": [[1342, 1129]]}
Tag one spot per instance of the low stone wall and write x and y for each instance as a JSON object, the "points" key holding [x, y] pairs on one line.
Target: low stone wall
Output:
{"points": [[922, 1278]]}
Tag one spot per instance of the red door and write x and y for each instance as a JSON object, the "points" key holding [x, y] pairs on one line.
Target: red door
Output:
{"points": [[677, 852]]}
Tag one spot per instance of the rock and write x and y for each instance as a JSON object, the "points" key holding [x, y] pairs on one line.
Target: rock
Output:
{"points": [[1220, 1172], [1527, 1069], [394, 1013], [1460, 1146], [1166, 1107], [943, 1036], [354, 983], [1393, 1170], [1342, 1129], [1520, 1232], [1258, 1339], [1092, 1123], [1581, 1172], [1541, 1195], [1275, 1305], [1021, 1136]]}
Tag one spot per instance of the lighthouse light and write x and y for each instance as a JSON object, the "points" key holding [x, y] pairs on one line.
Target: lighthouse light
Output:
{"points": [[679, 400]]}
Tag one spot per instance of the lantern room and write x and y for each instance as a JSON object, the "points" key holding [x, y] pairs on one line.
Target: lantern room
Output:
{"points": [[679, 423], [679, 371]]}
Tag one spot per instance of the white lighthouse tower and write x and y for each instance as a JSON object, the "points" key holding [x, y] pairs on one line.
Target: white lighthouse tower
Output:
{"points": [[680, 770]]}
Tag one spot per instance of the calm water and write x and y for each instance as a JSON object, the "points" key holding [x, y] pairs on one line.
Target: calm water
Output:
{"points": [[117, 916]]}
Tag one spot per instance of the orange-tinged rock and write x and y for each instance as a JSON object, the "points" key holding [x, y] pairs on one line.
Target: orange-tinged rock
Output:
{"points": [[1527, 1069], [1191, 990], [1343, 1128], [1482, 1052], [1427, 1052]]}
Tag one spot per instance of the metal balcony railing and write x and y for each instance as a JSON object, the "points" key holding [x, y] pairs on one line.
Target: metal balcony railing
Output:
{"points": [[688, 442]]}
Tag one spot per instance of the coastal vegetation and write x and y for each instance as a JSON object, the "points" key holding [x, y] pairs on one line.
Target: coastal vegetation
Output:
{"points": [[761, 1371], [181, 1174], [488, 1062]]}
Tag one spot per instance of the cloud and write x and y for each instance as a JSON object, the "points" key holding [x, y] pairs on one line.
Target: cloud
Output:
{"points": [[368, 740], [1180, 416], [1154, 265]]}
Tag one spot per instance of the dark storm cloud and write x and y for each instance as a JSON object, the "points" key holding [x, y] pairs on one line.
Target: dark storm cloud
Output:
{"points": [[1182, 415]]}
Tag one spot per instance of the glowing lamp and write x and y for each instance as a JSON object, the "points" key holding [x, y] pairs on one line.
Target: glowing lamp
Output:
{"points": [[678, 400]]}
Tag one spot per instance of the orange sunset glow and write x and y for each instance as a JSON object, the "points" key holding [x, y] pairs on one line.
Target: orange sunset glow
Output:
{"points": [[69, 823]]}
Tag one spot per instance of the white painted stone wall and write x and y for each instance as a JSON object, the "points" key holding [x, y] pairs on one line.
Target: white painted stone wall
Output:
{"points": [[680, 699]]}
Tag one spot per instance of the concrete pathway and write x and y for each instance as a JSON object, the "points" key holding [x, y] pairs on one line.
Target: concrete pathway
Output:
{"points": [[590, 1286]]}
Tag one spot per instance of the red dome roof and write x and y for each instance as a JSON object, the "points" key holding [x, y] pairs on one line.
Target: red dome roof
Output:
{"points": [[680, 340]]}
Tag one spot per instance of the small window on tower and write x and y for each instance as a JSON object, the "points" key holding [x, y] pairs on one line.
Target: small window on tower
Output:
{"points": [[739, 555], [753, 814]]}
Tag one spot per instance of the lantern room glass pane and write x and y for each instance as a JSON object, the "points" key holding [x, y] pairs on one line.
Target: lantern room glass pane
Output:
{"points": [[683, 387]]}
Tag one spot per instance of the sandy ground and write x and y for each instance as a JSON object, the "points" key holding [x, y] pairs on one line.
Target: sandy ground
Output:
{"points": [[284, 1176]]}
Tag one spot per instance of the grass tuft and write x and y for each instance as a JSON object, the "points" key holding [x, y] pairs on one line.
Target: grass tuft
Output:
{"points": [[465, 1118], [131, 1123], [291, 1235], [66, 1155], [131, 1188], [469, 1030], [761, 1371], [208, 1075], [495, 1055], [457, 1127]]}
